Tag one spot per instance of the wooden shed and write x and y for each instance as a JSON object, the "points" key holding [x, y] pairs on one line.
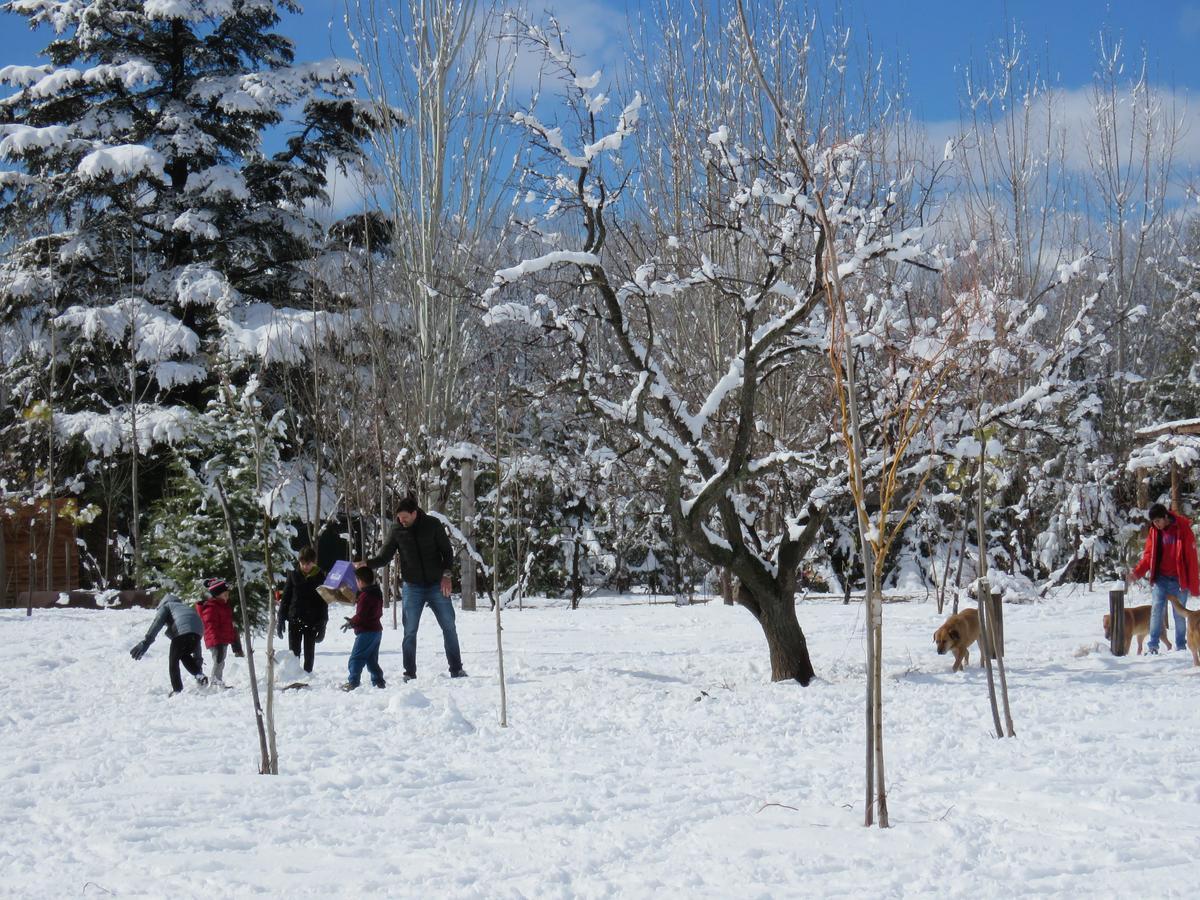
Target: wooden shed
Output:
{"points": [[27, 559]]}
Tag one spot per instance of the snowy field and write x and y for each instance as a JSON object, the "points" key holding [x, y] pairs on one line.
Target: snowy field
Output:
{"points": [[647, 755]]}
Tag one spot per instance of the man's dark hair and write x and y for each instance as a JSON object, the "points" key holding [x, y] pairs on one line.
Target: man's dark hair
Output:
{"points": [[1158, 511], [408, 503], [308, 554], [365, 574]]}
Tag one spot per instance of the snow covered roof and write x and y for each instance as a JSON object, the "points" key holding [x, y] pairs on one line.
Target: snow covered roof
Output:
{"points": [[1179, 426]]}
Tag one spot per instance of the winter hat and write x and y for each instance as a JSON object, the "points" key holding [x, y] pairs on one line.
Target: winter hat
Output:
{"points": [[216, 586]]}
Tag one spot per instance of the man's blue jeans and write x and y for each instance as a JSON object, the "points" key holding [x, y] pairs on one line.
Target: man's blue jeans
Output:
{"points": [[366, 653], [1164, 585], [414, 598]]}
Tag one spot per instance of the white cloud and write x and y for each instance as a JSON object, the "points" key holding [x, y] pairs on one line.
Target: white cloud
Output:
{"points": [[1067, 120]]}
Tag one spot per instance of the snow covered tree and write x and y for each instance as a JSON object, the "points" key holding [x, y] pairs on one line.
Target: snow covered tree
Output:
{"points": [[141, 209], [611, 307]]}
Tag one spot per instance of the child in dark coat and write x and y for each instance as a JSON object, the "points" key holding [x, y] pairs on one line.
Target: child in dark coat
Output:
{"points": [[367, 623], [184, 629], [219, 631], [302, 608]]}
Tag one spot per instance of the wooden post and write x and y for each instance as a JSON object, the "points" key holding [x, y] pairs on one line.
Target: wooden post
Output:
{"points": [[1143, 489], [466, 564], [996, 622], [1116, 618], [985, 643], [1176, 504]]}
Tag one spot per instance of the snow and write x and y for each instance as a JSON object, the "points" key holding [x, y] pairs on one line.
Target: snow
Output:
{"points": [[261, 331], [216, 182], [107, 433], [124, 161], [158, 334], [647, 753], [19, 139]]}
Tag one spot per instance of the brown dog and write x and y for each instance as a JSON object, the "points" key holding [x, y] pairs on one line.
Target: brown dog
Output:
{"points": [[1193, 627], [1137, 624], [958, 633]]}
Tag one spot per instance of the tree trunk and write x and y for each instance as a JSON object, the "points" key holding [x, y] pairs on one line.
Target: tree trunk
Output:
{"points": [[264, 767], [785, 640], [466, 564], [3, 567], [726, 582]]}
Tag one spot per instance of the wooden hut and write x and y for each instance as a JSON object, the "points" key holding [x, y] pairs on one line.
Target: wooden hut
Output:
{"points": [[27, 559]]}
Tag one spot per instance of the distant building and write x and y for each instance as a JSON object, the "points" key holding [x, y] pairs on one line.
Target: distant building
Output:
{"points": [[27, 560]]}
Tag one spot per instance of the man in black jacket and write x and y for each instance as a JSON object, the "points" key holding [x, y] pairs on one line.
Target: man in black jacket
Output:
{"points": [[426, 561], [302, 608]]}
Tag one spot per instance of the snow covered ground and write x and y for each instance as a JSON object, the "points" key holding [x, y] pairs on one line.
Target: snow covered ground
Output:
{"points": [[647, 754]]}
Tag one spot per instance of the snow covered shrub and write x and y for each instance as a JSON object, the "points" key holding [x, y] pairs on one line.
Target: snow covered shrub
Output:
{"points": [[143, 222]]}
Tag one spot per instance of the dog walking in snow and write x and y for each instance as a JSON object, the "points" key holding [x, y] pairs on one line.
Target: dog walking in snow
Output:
{"points": [[1137, 624], [957, 634], [1193, 627]]}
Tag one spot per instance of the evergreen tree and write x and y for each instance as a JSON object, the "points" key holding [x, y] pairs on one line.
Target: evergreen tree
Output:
{"points": [[187, 539], [142, 213]]}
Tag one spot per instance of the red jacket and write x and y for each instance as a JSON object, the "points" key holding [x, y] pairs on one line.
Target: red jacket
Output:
{"points": [[1183, 548], [368, 612], [217, 616]]}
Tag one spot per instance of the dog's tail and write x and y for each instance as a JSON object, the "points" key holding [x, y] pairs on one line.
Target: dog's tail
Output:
{"points": [[1179, 607]]}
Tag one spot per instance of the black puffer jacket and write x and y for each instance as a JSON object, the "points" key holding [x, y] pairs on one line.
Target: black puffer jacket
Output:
{"points": [[424, 548], [301, 603]]}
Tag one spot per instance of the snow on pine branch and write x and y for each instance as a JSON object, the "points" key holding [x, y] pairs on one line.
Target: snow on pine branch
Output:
{"points": [[108, 433], [121, 163], [20, 139], [273, 335], [157, 335]]}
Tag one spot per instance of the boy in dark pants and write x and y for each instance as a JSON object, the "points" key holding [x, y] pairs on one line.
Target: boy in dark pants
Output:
{"points": [[184, 629], [367, 623], [302, 608]]}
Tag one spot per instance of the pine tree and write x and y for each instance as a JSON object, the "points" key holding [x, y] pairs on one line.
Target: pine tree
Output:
{"points": [[143, 215], [187, 539]]}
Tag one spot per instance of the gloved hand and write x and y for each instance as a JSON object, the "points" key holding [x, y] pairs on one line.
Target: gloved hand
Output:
{"points": [[320, 633], [279, 629], [346, 627], [138, 650], [238, 651]]}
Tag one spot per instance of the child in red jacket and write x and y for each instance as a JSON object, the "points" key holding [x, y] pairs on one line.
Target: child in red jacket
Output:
{"points": [[368, 630], [219, 633]]}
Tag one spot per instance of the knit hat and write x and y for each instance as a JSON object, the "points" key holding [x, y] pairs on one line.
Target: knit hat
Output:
{"points": [[215, 586]]}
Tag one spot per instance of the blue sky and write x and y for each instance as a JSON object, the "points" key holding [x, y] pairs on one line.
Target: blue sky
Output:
{"points": [[930, 40]]}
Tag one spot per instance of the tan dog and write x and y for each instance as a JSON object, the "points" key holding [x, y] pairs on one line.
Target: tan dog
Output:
{"points": [[958, 633], [1193, 626], [1137, 624]]}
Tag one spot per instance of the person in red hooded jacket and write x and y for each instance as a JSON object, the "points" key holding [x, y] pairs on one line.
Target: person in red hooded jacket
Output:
{"points": [[1169, 558], [219, 633]]}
